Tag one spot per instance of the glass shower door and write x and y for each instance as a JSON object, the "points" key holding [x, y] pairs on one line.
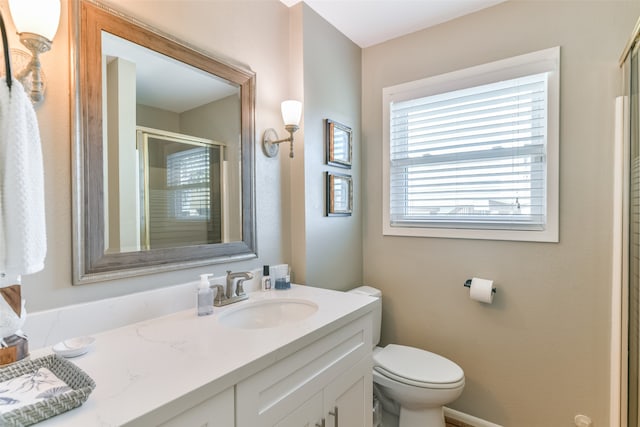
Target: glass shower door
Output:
{"points": [[634, 239]]}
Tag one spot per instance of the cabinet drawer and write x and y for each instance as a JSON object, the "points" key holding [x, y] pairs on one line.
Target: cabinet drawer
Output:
{"points": [[270, 395]]}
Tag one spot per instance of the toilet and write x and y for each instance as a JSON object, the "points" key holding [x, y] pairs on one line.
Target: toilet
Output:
{"points": [[417, 382]]}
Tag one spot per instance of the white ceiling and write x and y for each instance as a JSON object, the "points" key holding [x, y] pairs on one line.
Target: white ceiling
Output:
{"points": [[365, 22], [369, 22]]}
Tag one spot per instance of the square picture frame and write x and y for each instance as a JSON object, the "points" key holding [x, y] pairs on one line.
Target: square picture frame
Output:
{"points": [[339, 194], [338, 143]]}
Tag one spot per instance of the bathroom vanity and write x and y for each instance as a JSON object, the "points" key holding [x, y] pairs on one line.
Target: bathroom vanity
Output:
{"points": [[282, 358]]}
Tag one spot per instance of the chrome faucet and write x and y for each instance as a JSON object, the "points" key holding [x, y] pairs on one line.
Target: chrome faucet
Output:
{"points": [[243, 275], [233, 295], [220, 295]]}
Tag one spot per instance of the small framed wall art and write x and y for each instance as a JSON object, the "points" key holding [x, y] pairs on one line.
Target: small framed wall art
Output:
{"points": [[339, 194], [338, 144]]}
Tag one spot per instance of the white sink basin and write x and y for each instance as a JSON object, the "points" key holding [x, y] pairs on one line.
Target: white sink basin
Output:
{"points": [[268, 313]]}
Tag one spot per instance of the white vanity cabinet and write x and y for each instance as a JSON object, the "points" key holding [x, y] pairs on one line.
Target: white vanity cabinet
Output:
{"points": [[348, 398], [217, 411], [309, 414], [184, 370], [331, 376]]}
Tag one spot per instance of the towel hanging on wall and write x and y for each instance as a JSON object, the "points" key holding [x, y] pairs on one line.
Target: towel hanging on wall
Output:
{"points": [[22, 219], [6, 53]]}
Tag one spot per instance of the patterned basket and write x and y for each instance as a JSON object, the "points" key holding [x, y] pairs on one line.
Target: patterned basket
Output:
{"points": [[81, 384]]}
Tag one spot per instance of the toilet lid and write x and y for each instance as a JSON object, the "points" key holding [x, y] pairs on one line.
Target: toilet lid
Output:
{"points": [[415, 366]]}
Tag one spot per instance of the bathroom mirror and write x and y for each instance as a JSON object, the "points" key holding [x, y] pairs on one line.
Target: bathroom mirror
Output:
{"points": [[163, 151]]}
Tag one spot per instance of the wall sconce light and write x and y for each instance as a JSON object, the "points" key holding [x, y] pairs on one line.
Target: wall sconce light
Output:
{"points": [[291, 112], [36, 23]]}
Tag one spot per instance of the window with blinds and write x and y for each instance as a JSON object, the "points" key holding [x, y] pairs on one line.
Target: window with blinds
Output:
{"points": [[188, 181], [474, 157]]}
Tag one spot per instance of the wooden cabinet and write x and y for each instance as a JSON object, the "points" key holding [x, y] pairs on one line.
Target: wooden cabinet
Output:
{"points": [[328, 381], [217, 411]]}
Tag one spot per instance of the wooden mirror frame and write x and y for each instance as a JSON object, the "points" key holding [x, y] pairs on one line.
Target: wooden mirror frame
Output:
{"points": [[88, 19]]}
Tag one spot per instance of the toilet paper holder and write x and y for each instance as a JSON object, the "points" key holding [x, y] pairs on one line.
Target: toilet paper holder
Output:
{"points": [[467, 284]]}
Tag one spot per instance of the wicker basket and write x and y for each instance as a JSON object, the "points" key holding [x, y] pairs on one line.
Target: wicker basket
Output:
{"points": [[82, 385]]}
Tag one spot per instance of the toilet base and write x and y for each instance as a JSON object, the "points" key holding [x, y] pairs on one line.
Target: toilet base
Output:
{"points": [[432, 417], [389, 419], [392, 420]]}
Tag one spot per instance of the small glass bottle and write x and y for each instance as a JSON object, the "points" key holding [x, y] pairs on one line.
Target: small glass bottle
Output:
{"points": [[266, 279]]}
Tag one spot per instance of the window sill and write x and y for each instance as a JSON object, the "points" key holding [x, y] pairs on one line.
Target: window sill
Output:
{"points": [[549, 234]]}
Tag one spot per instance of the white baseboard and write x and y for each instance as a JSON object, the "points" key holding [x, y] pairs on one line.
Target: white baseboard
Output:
{"points": [[468, 419]]}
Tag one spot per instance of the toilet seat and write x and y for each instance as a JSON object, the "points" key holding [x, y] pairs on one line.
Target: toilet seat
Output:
{"points": [[417, 367]]}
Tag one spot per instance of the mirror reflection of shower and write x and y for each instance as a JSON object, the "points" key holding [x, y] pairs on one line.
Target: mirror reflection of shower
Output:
{"points": [[176, 198], [172, 156], [182, 190]]}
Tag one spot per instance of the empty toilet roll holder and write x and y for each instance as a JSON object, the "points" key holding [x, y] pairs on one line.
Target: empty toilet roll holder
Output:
{"points": [[467, 284]]}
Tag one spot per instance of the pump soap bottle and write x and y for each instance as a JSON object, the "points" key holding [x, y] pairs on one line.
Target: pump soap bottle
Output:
{"points": [[205, 296]]}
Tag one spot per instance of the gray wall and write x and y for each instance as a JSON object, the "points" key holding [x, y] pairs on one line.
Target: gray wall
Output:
{"points": [[331, 246], [157, 118], [539, 354], [234, 30], [285, 208]]}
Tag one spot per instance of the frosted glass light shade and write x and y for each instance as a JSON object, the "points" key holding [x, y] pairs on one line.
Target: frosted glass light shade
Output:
{"points": [[291, 112], [36, 16]]}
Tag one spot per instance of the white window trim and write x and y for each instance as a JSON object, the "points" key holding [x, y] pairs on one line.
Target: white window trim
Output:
{"points": [[547, 60]]}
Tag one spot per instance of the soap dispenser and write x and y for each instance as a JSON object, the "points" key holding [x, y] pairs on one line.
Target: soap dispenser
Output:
{"points": [[205, 296]]}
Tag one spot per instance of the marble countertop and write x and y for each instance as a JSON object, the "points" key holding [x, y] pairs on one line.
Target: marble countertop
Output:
{"points": [[148, 371]]}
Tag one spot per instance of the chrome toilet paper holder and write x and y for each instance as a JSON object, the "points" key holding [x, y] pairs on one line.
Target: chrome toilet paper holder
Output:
{"points": [[467, 284]]}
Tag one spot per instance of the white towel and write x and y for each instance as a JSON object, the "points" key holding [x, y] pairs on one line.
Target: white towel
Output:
{"points": [[23, 243]]}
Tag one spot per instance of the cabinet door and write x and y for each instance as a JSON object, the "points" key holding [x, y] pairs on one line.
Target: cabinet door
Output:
{"points": [[309, 414], [217, 411], [277, 391], [348, 400]]}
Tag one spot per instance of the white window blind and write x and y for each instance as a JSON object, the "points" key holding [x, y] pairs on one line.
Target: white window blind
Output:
{"points": [[475, 150], [471, 156], [188, 182]]}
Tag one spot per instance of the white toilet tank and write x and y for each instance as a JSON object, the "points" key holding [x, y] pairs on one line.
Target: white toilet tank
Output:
{"points": [[377, 312]]}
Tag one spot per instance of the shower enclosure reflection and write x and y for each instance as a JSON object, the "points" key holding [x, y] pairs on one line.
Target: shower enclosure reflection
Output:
{"points": [[164, 182], [183, 195]]}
